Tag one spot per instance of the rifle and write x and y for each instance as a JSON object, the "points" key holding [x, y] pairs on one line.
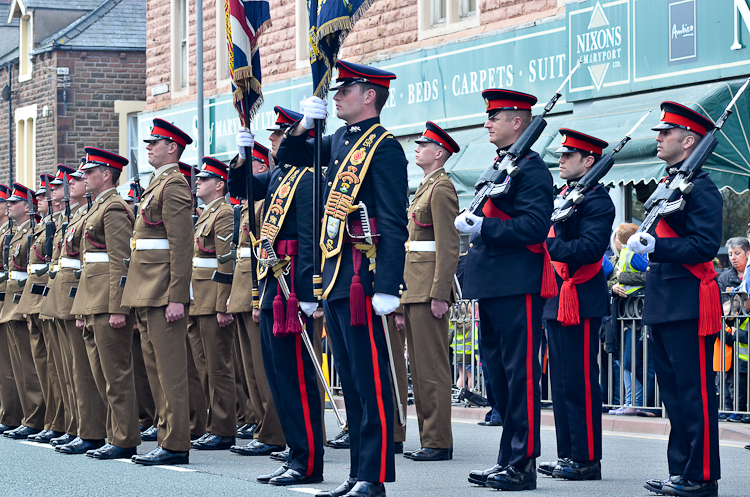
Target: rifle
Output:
{"points": [[32, 227], [489, 183], [565, 203], [136, 181], [669, 198], [49, 227], [194, 192], [66, 199], [266, 256]]}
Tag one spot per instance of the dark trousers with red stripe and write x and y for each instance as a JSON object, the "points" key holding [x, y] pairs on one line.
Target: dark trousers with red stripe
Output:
{"points": [[510, 335], [576, 394], [361, 360], [684, 371], [294, 387]]}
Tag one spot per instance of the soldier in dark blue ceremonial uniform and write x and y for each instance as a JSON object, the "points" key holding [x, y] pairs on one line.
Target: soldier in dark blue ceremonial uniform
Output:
{"points": [[576, 246], [365, 164], [290, 371], [504, 270], [682, 344]]}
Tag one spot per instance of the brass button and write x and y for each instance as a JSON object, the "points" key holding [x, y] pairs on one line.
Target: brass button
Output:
{"points": [[346, 142], [400, 292], [330, 183], [471, 245], [648, 268], [336, 162]]}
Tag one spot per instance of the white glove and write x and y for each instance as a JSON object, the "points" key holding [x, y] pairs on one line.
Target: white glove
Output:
{"points": [[313, 108], [308, 307], [245, 138], [468, 222], [642, 243], [384, 304]]}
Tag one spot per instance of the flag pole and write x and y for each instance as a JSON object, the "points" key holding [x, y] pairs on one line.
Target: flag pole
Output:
{"points": [[316, 210], [249, 186]]}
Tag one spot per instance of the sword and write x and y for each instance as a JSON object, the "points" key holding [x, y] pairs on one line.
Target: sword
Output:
{"points": [[368, 236], [280, 269]]}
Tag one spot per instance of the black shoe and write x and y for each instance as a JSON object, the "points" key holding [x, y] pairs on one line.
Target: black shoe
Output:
{"points": [[33, 436], [398, 448], [366, 489], [256, 448], [247, 432], [293, 477], [214, 442], [21, 433], [687, 488], [160, 455], [90, 453], [340, 442], [282, 455], [480, 477], [657, 486], [548, 468], [339, 491], [428, 454], [79, 446], [65, 439], [149, 434], [114, 452], [198, 440], [45, 437], [574, 470], [279, 471], [490, 423], [4, 428], [514, 479]]}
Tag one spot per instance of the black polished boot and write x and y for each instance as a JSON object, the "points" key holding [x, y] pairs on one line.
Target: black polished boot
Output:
{"points": [[479, 477], [512, 478], [574, 470]]}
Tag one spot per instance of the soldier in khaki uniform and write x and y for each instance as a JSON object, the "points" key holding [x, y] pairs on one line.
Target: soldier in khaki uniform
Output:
{"points": [[431, 260], [211, 284], [268, 436], [10, 404], [21, 355], [158, 287], [106, 323], [42, 340]]}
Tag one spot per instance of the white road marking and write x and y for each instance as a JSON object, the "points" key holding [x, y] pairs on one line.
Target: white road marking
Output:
{"points": [[175, 468], [306, 490], [35, 444]]}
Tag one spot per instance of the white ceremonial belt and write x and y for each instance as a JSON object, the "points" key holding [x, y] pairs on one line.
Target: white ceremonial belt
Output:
{"points": [[149, 244], [2, 273], [33, 268], [71, 263], [246, 252], [205, 262], [90, 257], [420, 246], [55, 268], [19, 275]]}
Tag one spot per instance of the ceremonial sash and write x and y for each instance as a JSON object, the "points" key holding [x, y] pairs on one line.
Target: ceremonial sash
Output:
{"points": [[709, 318], [568, 312], [278, 208], [549, 284], [344, 190]]}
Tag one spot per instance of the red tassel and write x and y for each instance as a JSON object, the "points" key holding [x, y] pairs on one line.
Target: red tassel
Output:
{"points": [[549, 283], [357, 302], [279, 323], [567, 309], [293, 325], [709, 320]]}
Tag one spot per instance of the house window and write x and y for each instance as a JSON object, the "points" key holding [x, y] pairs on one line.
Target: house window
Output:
{"points": [[302, 35], [438, 9], [180, 46], [440, 17], [467, 8], [25, 118], [25, 47]]}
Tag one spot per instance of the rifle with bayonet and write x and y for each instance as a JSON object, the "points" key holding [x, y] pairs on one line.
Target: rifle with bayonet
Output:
{"points": [[6, 251], [495, 180], [669, 198], [32, 228], [565, 203], [49, 227], [136, 182]]}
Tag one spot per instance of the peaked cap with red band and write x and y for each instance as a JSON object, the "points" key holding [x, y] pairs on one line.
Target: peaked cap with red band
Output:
{"points": [[285, 119], [435, 134], [63, 174], [131, 193], [261, 153], [234, 201], [497, 100], [351, 74], [44, 180], [163, 130], [674, 115], [575, 141], [97, 157], [186, 169], [213, 168], [21, 193], [4, 190]]}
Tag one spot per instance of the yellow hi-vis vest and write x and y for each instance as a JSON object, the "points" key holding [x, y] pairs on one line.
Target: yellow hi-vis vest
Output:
{"points": [[742, 347], [624, 264]]}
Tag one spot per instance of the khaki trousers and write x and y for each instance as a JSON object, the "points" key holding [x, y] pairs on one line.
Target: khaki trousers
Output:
{"points": [[428, 340], [217, 347], [27, 381], [111, 359], [52, 341], [54, 418], [269, 427], [245, 412], [92, 411], [69, 393], [146, 408], [165, 353], [11, 412], [398, 345], [197, 387]]}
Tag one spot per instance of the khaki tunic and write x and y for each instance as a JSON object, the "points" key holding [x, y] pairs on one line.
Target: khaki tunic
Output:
{"points": [[18, 261]]}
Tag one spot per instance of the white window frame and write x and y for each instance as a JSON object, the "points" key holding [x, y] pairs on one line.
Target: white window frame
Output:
{"points": [[25, 46], [125, 109], [453, 21], [25, 119], [302, 35], [177, 62]]}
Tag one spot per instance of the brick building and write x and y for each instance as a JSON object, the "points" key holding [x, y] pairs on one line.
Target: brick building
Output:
{"points": [[634, 55], [77, 70]]}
